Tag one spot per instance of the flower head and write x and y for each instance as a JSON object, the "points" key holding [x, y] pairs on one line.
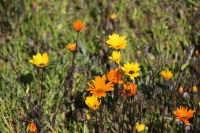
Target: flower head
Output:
{"points": [[194, 89], [117, 42], [129, 89], [100, 87], [180, 91], [166, 74], [71, 46], [92, 102], [184, 114], [131, 69], [78, 25], [113, 16], [140, 127], [34, 6], [197, 52], [115, 76], [88, 116], [32, 127], [116, 57], [40, 60], [138, 54]]}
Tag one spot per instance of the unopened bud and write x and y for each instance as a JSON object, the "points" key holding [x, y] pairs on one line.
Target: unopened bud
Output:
{"points": [[138, 54], [34, 6], [88, 117], [180, 91], [194, 90], [196, 52]]}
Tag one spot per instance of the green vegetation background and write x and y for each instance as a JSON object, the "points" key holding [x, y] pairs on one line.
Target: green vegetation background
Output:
{"points": [[162, 29]]}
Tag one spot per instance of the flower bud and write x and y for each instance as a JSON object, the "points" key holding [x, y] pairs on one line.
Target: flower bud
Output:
{"points": [[180, 91], [194, 90]]}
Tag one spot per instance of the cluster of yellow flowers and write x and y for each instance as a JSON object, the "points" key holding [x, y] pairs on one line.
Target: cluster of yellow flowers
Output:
{"points": [[114, 76], [118, 42]]}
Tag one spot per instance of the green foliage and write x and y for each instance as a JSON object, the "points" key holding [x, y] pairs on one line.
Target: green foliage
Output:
{"points": [[162, 30]]}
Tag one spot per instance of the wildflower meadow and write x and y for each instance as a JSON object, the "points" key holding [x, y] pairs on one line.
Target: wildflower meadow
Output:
{"points": [[102, 66]]}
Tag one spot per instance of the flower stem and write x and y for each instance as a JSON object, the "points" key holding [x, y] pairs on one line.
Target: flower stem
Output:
{"points": [[71, 72], [183, 128], [41, 86]]}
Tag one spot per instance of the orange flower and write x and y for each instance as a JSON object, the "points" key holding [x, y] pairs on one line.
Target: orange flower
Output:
{"points": [[129, 89], [183, 114], [71, 46], [78, 25], [32, 127], [180, 91], [115, 76], [197, 52], [100, 87], [34, 6]]}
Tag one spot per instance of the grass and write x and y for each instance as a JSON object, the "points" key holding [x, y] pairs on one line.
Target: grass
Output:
{"points": [[165, 32]]}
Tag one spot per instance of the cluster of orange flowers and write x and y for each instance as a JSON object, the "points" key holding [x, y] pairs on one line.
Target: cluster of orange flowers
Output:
{"points": [[100, 86]]}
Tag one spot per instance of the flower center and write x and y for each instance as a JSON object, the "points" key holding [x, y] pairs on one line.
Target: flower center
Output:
{"points": [[128, 91], [41, 64], [131, 72], [99, 90], [183, 117]]}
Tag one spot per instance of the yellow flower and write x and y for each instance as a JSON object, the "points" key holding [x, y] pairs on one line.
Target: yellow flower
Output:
{"points": [[71, 46], [117, 42], [92, 102], [184, 114], [131, 69], [166, 74], [140, 127], [199, 104], [54, 131], [116, 57], [194, 89], [88, 117], [138, 54], [113, 16], [40, 60]]}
